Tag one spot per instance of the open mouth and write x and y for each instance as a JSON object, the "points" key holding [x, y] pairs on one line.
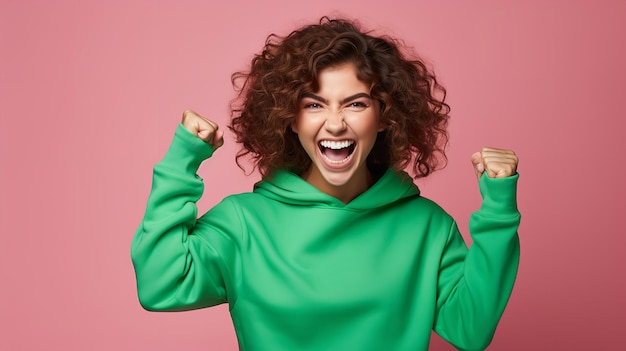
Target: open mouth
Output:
{"points": [[337, 152]]}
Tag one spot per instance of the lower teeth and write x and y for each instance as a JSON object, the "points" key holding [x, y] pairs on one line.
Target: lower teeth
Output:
{"points": [[337, 162]]}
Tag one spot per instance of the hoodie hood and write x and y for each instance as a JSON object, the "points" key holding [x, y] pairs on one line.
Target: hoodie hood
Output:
{"points": [[287, 187]]}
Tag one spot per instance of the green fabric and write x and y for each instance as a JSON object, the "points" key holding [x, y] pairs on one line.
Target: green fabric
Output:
{"points": [[301, 270]]}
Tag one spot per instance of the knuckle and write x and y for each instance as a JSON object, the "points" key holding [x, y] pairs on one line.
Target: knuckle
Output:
{"points": [[187, 114]]}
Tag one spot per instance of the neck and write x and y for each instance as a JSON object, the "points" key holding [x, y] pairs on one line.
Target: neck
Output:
{"points": [[345, 192]]}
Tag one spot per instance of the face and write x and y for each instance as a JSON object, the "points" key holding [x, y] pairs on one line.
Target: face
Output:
{"points": [[337, 126]]}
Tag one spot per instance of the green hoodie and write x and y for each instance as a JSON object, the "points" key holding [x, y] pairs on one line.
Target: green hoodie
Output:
{"points": [[301, 270]]}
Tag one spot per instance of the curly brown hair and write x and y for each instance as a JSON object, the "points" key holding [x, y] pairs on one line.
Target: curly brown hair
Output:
{"points": [[412, 102]]}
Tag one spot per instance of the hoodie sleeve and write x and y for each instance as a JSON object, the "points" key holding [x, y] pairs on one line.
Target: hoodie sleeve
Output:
{"points": [[475, 285], [182, 263]]}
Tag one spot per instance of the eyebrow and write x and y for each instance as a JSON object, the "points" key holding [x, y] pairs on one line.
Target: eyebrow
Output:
{"points": [[349, 98]]}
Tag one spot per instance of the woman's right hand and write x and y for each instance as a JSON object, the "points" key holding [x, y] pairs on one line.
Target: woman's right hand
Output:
{"points": [[204, 129]]}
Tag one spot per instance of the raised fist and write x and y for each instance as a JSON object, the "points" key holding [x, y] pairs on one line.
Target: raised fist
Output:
{"points": [[204, 129], [497, 163]]}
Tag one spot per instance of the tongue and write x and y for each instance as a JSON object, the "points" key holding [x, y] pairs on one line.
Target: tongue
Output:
{"points": [[337, 155]]}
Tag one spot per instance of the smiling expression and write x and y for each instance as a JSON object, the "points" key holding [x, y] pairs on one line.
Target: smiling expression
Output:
{"points": [[337, 127]]}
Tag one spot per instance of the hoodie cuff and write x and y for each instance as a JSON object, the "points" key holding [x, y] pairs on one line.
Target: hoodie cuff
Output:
{"points": [[187, 151], [499, 194]]}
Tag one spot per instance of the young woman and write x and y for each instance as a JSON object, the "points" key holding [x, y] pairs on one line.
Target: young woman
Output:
{"points": [[334, 249]]}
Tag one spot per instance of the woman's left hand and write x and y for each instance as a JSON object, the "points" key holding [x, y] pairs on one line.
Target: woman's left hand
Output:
{"points": [[498, 163]]}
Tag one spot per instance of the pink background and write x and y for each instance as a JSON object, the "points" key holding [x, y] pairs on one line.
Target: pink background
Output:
{"points": [[91, 92]]}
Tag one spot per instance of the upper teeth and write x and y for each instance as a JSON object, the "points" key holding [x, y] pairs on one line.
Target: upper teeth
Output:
{"points": [[336, 144]]}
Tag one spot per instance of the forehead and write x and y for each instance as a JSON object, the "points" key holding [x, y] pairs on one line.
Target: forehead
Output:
{"points": [[340, 78]]}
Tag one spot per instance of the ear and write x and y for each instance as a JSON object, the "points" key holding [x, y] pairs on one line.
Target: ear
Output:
{"points": [[381, 107], [294, 126], [381, 127]]}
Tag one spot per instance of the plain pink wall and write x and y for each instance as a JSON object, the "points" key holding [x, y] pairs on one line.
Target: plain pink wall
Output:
{"points": [[91, 92]]}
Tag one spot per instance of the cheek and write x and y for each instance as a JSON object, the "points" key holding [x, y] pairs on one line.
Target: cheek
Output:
{"points": [[371, 125], [302, 134], [306, 126]]}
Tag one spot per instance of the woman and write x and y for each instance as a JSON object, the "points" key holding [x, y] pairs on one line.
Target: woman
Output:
{"points": [[334, 249]]}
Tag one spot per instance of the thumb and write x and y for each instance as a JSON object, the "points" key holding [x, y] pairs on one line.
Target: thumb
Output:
{"points": [[477, 162]]}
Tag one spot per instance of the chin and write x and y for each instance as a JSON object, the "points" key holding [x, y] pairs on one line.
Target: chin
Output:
{"points": [[338, 179], [343, 177]]}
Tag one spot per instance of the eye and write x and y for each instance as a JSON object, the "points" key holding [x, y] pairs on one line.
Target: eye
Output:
{"points": [[358, 105], [312, 105]]}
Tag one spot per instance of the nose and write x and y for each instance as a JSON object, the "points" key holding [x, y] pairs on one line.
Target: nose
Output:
{"points": [[335, 123]]}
